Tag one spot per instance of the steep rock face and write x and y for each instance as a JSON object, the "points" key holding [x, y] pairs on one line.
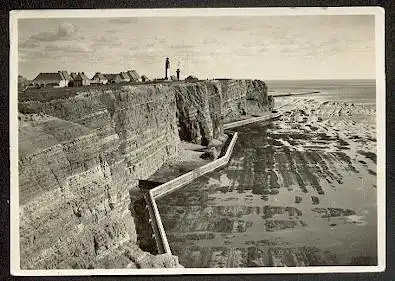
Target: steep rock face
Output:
{"points": [[203, 107], [78, 163], [193, 111], [81, 156], [241, 97]]}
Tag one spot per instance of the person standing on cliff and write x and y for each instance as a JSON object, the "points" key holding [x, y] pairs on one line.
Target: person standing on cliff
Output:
{"points": [[167, 69]]}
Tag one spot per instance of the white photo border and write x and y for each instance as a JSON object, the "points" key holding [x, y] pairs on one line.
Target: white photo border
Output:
{"points": [[378, 12]]}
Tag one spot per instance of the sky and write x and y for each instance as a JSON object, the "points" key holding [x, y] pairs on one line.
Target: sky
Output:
{"points": [[251, 47]]}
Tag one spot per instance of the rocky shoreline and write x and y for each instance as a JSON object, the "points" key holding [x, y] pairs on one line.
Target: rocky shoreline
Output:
{"points": [[83, 151], [305, 179]]}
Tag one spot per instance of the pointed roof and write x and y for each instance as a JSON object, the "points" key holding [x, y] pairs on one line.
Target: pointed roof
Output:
{"points": [[49, 77], [191, 78], [111, 76], [81, 76], [145, 77], [124, 76], [100, 76], [65, 75], [133, 75]]}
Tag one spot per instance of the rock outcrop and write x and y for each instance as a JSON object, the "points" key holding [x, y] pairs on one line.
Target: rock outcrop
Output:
{"points": [[82, 153], [203, 107]]}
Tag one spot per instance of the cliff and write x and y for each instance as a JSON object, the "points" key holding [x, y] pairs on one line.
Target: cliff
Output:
{"points": [[83, 150]]}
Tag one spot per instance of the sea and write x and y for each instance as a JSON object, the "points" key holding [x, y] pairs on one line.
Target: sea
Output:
{"points": [[228, 219], [357, 91]]}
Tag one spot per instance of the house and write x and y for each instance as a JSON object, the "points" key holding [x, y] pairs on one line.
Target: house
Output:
{"points": [[55, 79], [124, 77], [113, 78], [99, 78], [73, 75], [144, 78], [133, 75], [66, 76], [191, 78], [173, 78], [81, 80]]}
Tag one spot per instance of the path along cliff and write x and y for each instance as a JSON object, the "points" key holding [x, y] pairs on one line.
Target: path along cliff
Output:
{"points": [[82, 152]]}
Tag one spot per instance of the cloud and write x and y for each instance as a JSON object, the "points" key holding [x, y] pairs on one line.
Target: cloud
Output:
{"points": [[210, 41], [68, 47], [108, 40], [181, 46], [233, 28], [28, 44], [65, 30], [124, 20]]}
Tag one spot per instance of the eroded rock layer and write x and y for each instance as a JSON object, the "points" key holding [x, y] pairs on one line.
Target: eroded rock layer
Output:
{"points": [[299, 190], [82, 152]]}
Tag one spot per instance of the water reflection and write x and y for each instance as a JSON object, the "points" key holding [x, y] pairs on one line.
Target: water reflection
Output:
{"points": [[276, 204]]}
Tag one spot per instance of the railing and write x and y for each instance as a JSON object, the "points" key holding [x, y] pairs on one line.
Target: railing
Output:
{"points": [[180, 181], [156, 223], [161, 190], [170, 186]]}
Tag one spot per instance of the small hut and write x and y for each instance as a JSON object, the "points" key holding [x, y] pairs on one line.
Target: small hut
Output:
{"points": [[133, 75], [113, 78], [99, 78], [191, 78], [144, 78], [81, 80], [124, 77]]}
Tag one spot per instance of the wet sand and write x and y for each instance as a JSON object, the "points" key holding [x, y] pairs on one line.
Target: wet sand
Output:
{"points": [[190, 156], [298, 191]]}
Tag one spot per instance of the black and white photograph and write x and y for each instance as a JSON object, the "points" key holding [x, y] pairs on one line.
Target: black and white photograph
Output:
{"points": [[190, 141]]}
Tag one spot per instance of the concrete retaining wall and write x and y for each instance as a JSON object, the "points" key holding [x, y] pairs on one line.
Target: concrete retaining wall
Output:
{"points": [[180, 181], [166, 188], [170, 186]]}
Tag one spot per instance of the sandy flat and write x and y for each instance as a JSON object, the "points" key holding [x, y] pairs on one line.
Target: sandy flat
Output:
{"points": [[298, 191]]}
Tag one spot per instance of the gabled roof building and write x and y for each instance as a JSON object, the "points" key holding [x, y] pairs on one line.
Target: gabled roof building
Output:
{"points": [[124, 77], [113, 78], [144, 78], [134, 76], [55, 79], [99, 78], [81, 80]]}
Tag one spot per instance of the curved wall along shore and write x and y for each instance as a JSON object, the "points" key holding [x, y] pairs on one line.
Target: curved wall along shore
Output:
{"points": [[82, 152]]}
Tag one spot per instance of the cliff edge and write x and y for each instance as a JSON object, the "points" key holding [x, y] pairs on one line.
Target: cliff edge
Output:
{"points": [[82, 152]]}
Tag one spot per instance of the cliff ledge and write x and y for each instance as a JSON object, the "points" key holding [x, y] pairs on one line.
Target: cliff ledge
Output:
{"points": [[83, 150]]}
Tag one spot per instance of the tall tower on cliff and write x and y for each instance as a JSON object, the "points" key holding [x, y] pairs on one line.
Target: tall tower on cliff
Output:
{"points": [[167, 69], [178, 74]]}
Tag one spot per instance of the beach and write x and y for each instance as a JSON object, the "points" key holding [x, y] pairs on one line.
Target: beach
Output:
{"points": [[298, 191]]}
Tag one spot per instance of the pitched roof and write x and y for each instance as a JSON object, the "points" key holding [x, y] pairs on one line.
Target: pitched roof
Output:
{"points": [[111, 76], [124, 76], [81, 76], [191, 78], [145, 77], [65, 75], [133, 75], [100, 76], [49, 77], [73, 75]]}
